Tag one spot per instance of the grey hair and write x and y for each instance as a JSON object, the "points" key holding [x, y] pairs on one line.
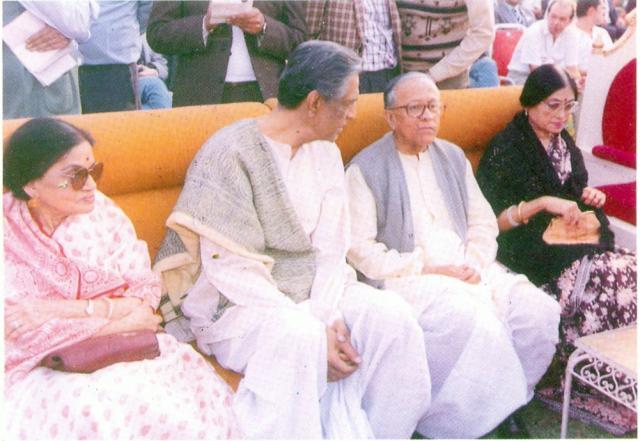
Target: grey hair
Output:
{"points": [[316, 65], [390, 90]]}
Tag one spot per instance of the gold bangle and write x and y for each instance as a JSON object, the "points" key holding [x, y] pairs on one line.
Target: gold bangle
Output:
{"points": [[520, 216]]}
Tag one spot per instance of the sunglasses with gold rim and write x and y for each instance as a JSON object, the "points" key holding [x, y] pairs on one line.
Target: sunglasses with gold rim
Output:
{"points": [[79, 177]]}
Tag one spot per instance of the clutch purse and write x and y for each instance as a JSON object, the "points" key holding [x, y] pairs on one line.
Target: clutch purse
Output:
{"points": [[586, 232], [94, 353]]}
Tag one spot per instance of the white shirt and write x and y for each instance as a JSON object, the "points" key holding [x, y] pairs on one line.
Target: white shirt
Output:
{"points": [[436, 241], [537, 47], [73, 19], [585, 44], [314, 179], [239, 68]]}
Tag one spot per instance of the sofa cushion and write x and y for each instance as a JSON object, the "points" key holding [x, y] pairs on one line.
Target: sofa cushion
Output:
{"points": [[149, 210], [608, 153]]}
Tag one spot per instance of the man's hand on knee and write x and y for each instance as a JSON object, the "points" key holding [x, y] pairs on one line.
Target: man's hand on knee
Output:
{"points": [[342, 357], [461, 272]]}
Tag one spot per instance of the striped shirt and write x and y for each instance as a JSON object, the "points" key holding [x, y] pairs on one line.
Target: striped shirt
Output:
{"points": [[378, 49], [444, 37]]}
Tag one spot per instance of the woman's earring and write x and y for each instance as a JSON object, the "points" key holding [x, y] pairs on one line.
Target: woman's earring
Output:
{"points": [[32, 203]]}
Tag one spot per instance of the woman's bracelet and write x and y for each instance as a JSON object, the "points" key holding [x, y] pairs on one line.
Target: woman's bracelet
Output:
{"points": [[110, 303], [512, 222], [520, 216]]}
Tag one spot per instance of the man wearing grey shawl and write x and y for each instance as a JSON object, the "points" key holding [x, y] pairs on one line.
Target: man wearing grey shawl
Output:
{"points": [[256, 249], [422, 228]]}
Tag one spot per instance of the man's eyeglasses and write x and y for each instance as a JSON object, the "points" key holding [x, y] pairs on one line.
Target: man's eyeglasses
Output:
{"points": [[79, 177], [555, 106], [417, 110]]}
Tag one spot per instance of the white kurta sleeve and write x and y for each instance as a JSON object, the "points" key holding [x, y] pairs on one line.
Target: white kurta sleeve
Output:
{"points": [[73, 19], [243, 281], [330, 238], [481, 246], [477, 40], [370, 257]]}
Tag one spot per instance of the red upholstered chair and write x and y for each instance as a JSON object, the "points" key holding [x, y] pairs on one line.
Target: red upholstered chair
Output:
{"points": [[504, 43], [606, 131], [619, 119], [619, 137], [621, 201]]}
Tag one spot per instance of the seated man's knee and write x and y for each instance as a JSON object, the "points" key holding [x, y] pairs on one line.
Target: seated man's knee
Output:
{"points": [[387, 311], [539, 307], [456, 316]]}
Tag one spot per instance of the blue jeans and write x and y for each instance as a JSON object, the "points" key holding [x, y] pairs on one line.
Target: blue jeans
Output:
{"points": [[484, 73], [154, 93]]}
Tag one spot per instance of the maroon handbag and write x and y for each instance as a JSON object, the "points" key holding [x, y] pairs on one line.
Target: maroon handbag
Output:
{"points": [[94, 353]]}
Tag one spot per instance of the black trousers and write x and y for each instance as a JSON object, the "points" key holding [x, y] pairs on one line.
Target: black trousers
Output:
{"points": [[241, 92], [108, 87], [376, 81]]}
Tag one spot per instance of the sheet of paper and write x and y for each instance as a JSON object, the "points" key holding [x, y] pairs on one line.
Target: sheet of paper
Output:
{"points": [[220, 10], [45, 66]]}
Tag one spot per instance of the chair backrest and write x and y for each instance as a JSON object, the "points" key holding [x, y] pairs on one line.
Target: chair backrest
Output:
{"points": [[603, 70], [504, 43], [619, 118]]}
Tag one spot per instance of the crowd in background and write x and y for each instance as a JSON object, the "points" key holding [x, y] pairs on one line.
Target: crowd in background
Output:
{"points": [[146, 55]]}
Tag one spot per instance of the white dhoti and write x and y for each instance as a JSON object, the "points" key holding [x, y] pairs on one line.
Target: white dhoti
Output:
{"points": [[485, 354], [283, 356]]}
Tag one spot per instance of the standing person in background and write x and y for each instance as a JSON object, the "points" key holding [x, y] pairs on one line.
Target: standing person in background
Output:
{"points": [[443, 38], [512, 11], [108, 75], [371, 28], [153, 71], [239, 60], [23, 95], [535, 6], [611, 22], [548, 41]]}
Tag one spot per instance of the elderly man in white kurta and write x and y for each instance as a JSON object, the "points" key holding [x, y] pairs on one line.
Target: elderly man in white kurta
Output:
{"points": [[262, 229], [422, 228]]}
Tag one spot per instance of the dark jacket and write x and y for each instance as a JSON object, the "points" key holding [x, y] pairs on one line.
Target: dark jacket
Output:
{"points": [[516, 168], [175, 28]]}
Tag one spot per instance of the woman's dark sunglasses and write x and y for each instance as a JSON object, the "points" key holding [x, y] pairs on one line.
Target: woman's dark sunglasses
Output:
{"points": [[80, 176]]}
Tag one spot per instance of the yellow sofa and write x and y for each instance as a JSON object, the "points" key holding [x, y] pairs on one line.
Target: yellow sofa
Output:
{"points": [[147, 153]]}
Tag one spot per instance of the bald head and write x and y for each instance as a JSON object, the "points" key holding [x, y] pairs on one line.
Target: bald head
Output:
{"points": [[559, 15]]}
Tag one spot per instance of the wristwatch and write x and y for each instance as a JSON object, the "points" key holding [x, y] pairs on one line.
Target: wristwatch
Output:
{"points": [[260, 34]]}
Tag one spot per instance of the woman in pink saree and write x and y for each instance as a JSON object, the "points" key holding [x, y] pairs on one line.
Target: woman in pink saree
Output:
{"points": [[74, 268]]}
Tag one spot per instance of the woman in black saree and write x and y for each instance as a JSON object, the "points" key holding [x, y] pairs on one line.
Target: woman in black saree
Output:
{"points": [[531, 173]]}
